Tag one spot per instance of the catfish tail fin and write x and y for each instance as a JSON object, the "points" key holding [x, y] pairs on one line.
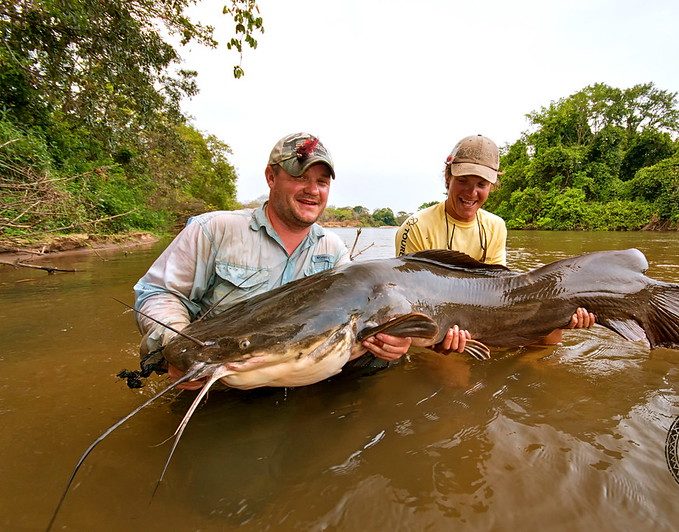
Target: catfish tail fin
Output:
{"points": [[662, 329], [654, 317]]}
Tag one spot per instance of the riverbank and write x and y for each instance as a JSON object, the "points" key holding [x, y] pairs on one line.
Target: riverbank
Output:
{"points": [[330, 224], [18, 249], [44, 246]]}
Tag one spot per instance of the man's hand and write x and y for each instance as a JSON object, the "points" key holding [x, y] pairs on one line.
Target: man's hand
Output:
{"points": [[158, 337], [387, 347], [454, 341], [582, 319]]}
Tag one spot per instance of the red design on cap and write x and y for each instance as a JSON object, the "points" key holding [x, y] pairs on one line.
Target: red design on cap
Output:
{"points": [[450, 159], [307, 148]]}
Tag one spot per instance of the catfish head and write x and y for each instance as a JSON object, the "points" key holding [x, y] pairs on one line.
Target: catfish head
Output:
{"points": [[286, 355]]}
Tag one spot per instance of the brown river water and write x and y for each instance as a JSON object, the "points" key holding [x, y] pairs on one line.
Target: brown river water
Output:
{"points": [[563, 438]]}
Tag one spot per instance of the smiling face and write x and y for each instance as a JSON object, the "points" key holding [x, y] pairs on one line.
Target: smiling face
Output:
{"points": [[466, 195], [298, 201]]}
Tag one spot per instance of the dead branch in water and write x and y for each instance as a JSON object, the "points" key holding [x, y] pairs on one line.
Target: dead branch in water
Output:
{"points": [[358, 234], [49, 269], [364, 249], [351, 253]]}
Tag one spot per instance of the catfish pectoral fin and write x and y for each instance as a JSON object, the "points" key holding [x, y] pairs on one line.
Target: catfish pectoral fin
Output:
{"points": [[629, 329], [413, 324], [477, 350]]}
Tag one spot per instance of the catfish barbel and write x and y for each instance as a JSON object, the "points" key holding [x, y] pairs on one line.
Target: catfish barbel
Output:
{"points": [[307, 330]]}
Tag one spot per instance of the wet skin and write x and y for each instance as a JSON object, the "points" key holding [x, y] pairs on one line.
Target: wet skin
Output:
{"points": [[498, 307]]}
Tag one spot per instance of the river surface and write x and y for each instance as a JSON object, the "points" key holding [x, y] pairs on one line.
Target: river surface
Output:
{"points": [[563, 438]]}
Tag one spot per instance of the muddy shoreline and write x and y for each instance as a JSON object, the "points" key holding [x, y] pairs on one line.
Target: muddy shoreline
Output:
{"points": [[14, 251]]}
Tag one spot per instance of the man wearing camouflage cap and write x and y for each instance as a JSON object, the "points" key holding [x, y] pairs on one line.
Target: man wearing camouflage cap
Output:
{"points": [[223, 257]]}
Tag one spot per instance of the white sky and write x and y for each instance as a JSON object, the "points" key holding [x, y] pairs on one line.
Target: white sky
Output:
{"points": [[389, 86]]}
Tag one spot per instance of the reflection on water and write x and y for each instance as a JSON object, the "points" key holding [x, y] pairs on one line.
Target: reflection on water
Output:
{"points": [[570, 437]]}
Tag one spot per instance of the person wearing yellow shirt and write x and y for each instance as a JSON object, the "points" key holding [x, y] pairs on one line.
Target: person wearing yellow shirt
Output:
{"points": [[461, 224]]}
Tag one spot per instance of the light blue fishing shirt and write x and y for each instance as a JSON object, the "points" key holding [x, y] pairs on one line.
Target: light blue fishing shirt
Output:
{"points": [[221, 258]]}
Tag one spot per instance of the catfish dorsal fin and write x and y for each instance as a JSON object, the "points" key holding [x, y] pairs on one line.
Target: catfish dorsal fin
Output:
{"points": [[445, 257]]}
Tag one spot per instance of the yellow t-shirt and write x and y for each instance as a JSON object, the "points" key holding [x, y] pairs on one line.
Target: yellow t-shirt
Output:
{"points": [[427, 229]]}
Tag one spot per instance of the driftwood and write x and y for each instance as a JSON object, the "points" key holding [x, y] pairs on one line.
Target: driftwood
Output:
{"points": [[351, 253], [49, 269], [22, 250]]}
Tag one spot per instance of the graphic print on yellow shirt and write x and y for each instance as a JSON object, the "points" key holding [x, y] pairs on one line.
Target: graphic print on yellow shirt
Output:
{"points": [[484, 238]]}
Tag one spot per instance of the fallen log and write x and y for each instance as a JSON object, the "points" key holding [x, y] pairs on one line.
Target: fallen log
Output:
{"points": [[49, 269]]}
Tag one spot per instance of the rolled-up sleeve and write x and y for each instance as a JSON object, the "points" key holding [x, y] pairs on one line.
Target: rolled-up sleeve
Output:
{"points": [[173, 285]]}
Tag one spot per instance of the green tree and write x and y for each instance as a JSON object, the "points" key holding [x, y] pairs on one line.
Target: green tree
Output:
{"points": [[107, 66], [95, 87], [401, 217], [384, 216], [645, 107], [591, 152], [562, 123], [427, 204], [646, 149], [659, 186]]}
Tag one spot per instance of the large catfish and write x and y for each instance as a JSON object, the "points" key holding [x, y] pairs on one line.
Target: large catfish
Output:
{"points": [[309, 329]]}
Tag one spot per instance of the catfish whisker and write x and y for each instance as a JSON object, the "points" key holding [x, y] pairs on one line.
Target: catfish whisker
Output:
{"points": [[188, 376], [218, 374]]}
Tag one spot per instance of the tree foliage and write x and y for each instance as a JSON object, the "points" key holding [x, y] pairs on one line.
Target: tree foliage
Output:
{"points": [[90, 95], [602, 158], [385, 216], [360, 216]]}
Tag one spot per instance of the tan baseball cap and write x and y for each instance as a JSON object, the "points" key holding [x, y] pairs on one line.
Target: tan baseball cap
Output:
{"points": [[298, 151], [475, 155]]}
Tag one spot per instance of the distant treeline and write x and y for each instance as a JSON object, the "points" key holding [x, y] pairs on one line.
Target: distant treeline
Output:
{"points": [[93, 139], [601, 159], [360, 216]]}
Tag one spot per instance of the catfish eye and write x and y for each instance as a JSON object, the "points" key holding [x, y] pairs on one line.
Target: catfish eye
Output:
{"points": [[244, 344]]}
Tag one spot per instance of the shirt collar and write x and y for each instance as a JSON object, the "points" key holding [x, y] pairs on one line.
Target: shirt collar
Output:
{"points": [[260, 219]]}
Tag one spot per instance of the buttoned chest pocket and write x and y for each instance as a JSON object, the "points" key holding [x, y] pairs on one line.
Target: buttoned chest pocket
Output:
{"points": [[235, 282], [319, 263]]}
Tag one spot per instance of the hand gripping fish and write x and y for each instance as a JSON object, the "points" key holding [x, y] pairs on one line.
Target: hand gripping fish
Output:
{"points": [[307, 330]]}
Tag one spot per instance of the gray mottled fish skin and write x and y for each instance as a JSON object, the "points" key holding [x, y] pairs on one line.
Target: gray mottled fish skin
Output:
{"points": [[314, 325]]}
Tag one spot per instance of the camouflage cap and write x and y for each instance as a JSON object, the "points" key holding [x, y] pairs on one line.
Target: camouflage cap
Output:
{"points": [[297, 152], [475, 155]]}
